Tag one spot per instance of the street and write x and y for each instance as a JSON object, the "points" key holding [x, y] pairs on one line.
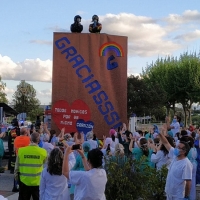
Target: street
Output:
{"points": [[6, 181]]}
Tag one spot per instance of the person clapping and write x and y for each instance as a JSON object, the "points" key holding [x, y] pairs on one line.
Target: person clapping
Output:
{"points": [[89, 184], [95, 27]]}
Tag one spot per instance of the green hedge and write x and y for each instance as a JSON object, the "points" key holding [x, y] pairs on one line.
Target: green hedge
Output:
{"points": [[133, 180]]}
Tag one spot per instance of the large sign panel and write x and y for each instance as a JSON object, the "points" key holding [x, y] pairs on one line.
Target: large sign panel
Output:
{"points": [[89, 82]]}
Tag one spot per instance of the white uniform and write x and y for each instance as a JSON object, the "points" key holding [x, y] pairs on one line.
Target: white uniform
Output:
{"points": [[179, 171], [176, 128], [114, 143], [160, 159], [89, 185], [93, 144]]}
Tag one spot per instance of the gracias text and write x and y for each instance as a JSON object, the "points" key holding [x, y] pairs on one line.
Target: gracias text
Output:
{"points": [[99, 96]]}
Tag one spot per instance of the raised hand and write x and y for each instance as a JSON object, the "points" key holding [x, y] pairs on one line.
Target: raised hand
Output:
{"points": [[167, 119], [131, 137]]}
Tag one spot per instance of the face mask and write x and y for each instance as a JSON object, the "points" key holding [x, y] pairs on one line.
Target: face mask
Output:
{"points": [[95, 21], [176, 152], [174, 120], [71, 139]]}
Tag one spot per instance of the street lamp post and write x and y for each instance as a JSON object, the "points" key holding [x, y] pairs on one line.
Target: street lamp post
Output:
{"points": [[150, 119], [23, 90]]}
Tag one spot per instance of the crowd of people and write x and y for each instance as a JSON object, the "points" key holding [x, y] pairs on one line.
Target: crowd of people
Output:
{"points": [[73, 166]]}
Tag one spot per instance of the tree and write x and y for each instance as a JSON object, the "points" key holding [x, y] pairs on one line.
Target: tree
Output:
{"points": [[158, 74], [3, 95], [24, 99], [142, 98], [190, 68], [178, 78]]}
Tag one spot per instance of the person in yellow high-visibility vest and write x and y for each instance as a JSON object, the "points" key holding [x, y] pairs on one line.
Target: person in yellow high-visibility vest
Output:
{"points": [[28, 166]]}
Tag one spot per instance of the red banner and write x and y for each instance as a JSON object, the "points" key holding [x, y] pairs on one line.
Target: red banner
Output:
{"points": [[65, 115]]}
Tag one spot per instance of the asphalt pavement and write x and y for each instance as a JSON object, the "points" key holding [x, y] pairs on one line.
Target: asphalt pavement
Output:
{"points": [[6, 183]]}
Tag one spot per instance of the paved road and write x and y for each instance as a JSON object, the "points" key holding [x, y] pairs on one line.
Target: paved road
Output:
{"points": [[6, 181]]}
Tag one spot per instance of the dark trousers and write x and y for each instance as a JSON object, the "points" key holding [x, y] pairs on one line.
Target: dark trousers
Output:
{"points": [[11, 161], [25, 192]]}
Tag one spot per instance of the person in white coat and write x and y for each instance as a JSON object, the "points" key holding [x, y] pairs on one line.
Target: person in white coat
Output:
{"points": [[93, 143], [179, 177], [90, 184], [53, 184], [160, 154], [113, 135], [175, 125]]}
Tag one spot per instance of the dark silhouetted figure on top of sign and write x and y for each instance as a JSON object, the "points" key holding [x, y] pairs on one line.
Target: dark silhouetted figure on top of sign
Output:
{"points": [[95, 27], [76, 27]]}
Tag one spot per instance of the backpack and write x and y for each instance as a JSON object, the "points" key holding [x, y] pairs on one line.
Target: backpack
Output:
{"points": [[1, 148]]}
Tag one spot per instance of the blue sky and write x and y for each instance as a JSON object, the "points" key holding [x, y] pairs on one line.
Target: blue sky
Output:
{"points": [[154, 28]]}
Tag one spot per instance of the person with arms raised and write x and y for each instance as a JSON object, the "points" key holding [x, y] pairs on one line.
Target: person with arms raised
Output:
{"points": [[175, 125], [178, 183], [89, 184]]}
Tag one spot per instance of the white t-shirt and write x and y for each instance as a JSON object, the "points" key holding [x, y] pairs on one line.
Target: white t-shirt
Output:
{"points": [[189, 132], [138, 140], [48, 147], [93, 144], [53, 187], [114, 143], [160, 159], [89, 185], [177, 142], [70, 143], [107, 157], [2, 198], [72, 160], [176, 128], [179, 171]]}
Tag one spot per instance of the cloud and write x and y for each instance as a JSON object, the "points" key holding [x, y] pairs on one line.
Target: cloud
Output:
{"points": [[189, 36], [134, 74], [80, 12], [41, 42], [44, 96], [45, 93], [146, 37], [187, 17], [57, 29], [29, 69], [9, 91]]}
